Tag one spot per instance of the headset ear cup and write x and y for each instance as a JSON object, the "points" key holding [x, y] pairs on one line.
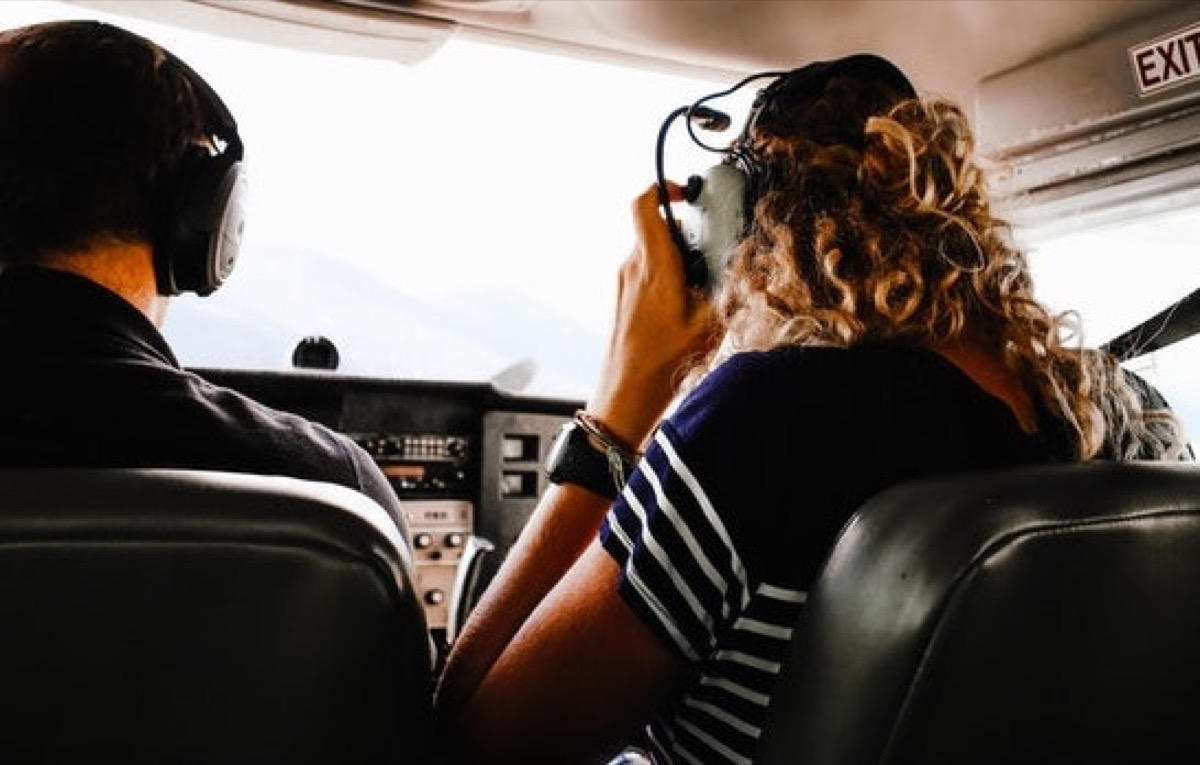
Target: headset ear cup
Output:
{"points": [[225, 238], [200, 224], [754, 180], [721, 203]]}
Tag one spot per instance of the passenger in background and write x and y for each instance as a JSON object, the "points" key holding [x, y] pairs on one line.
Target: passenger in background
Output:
{"points": [[876, 324], [120, 185]]}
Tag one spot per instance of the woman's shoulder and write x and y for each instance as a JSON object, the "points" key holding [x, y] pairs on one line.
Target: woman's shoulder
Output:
{"points": [[821, 366], [763, 386]]}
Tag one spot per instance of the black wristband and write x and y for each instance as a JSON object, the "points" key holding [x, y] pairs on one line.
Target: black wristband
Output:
{"points": [[573, 458]]}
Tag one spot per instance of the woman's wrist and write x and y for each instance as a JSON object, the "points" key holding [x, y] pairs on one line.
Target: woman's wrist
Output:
{"points": [[628, 421], [608, 438]]}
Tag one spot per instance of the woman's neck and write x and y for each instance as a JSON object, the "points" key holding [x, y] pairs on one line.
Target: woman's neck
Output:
{"points": [[988, 370]]}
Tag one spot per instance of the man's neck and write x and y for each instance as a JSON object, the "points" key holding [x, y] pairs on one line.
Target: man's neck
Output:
{"points": [[125, 269]]}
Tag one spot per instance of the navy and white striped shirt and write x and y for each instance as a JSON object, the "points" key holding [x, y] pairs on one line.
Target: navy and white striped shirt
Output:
{"points": [[728, 518]]}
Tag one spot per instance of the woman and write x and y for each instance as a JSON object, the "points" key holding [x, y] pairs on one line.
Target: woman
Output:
{"points": [[875, 325]]}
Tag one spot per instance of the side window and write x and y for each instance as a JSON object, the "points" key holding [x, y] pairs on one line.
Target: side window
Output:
{"points": [[1119, 275]]}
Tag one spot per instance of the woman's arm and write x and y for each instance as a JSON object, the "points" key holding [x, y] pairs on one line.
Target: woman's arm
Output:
{"points": [[553, 665], [576, 681]]}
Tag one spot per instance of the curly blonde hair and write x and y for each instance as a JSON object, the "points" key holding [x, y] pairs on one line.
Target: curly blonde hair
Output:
{"points": [[879, 229]]}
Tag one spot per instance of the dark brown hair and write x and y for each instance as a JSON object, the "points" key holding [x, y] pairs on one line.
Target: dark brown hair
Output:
{"points": [[93, 120]]}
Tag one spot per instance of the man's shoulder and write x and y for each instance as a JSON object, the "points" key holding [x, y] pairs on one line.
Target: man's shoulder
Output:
{"points": [[277, 441], [241, 412]]}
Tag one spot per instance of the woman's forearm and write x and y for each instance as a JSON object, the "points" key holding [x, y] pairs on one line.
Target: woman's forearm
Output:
{"points": [[565, 521]]}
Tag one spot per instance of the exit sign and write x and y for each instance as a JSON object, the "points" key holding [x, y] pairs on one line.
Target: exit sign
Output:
{"points": [[1166, 61]]}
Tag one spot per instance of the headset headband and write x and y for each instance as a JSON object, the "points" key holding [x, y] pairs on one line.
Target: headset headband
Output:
{"points": [[807, 83], [219, 120], [223, 125]]}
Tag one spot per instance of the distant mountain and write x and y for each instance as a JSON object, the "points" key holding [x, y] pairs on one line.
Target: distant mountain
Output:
{"points": [[277, 298]]}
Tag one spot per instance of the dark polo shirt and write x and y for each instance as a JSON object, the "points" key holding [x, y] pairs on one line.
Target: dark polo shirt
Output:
{"points": [[87, 381]]}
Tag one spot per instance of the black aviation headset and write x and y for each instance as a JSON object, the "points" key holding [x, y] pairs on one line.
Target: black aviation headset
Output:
{"points": [[200, 216], [725, 194]]}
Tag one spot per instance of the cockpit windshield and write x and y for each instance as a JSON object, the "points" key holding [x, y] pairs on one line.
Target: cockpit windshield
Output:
{"points": [[449, 220], [458, 219]]}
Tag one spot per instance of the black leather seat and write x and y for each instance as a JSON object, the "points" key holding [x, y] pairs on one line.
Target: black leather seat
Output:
{"points": [[186, 616], [1044, 615]]}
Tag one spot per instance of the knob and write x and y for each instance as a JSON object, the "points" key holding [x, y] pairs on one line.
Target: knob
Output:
{"points": [[315, 352], [454, 539], [422, 540], [435, 597]]}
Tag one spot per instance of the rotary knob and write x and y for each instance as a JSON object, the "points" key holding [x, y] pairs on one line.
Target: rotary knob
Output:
{"points": [[435, 597]]}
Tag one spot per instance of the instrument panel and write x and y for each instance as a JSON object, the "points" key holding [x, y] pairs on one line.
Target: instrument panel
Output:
{"points": [[465, 459]]}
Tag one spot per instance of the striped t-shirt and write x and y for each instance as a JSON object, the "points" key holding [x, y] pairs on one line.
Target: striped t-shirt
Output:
{"points": [[725, 523]]}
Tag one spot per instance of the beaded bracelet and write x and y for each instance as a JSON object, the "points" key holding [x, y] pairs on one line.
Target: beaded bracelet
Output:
{"points": [[621, 458]]}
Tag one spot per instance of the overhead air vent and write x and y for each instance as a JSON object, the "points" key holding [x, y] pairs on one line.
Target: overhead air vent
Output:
{"points": [[1081, 141]]}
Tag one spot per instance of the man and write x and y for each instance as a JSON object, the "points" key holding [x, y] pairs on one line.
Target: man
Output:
{"points": [[120, 185]]}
